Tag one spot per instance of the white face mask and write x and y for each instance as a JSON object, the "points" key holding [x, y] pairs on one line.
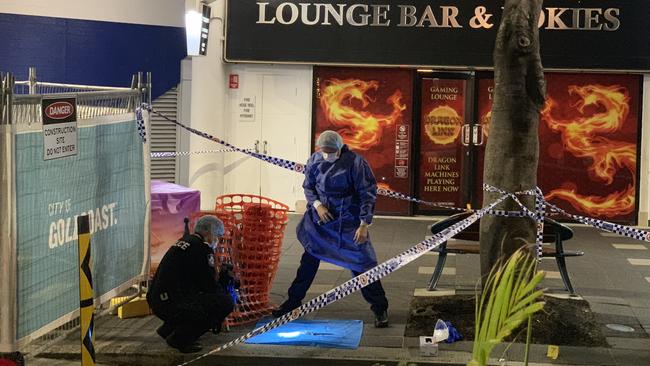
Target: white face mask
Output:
{"points": [[215, 242], [330, 157]]}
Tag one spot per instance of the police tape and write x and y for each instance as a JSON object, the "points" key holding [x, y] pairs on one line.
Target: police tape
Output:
{"points": [[173, 154], [362, 280], [627, 231], [292, 165], [540, 210], [538, 215]]}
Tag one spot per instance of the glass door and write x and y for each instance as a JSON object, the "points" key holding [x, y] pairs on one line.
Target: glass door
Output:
{"points": [[444, 141]]}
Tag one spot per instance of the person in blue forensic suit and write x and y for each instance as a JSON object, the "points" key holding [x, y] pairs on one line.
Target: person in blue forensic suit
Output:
{"points": [[186, 292], [341, 192]]}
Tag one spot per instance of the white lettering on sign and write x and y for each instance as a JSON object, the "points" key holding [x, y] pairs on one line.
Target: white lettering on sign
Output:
{"points": [[425, 16], [64, 230], [59, 110], [64, 110]]}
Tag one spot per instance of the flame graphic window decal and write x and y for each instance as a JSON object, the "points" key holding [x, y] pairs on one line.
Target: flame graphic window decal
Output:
{"points": [[361, 129], [582, 136]]}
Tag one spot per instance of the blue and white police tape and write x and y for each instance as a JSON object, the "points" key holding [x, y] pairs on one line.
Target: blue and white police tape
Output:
{"points": [[292, 165], [540, 210], [173, 154], [537, 215], [362, 280], [627, 231], [142, 130]]}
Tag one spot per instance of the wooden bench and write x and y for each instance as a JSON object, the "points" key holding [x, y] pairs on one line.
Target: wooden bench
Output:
{"points": [[554, 232]]}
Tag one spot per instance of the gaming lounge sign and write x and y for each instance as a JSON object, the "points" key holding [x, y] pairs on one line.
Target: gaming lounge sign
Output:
{"points": [[587, 34]]}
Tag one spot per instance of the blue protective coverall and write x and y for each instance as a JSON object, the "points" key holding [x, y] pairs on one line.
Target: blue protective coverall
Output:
{"points": [[347, 187]]}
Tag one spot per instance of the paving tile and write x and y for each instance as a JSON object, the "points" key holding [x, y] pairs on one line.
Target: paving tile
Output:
{"points": [[638, 332], [585, 356], [382, 341], [423, 292], [449, 271], [393, 330], [611, 235], [327, 277], [397, 279], [625, 357], [629, 343], [319, 289], [612, 309], [642, 314], [630, 246], [604, 318], [329, 267], [639, 261], [640, 302], [553, 275], [606, 300]]}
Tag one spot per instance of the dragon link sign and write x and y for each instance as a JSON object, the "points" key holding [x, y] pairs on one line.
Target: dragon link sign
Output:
{"points": [[378, 15], [585, 35]]}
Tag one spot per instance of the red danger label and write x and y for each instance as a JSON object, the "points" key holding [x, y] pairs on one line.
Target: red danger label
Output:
{"points": [[59, 110]]}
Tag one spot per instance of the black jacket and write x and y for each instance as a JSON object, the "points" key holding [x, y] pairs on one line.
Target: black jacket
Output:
{"points": [[186, 269]]}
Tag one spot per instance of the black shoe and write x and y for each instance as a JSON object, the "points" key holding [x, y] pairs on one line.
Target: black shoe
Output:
{"points": [[381, 319], [185, 348], [165, 330], [192, 348], [286, 307]]}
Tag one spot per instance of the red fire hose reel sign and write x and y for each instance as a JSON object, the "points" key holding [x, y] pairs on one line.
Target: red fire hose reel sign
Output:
{"points": [[234, 81]]}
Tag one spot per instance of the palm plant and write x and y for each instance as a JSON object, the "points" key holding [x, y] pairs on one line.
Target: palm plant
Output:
{"points": [[509, 298]]}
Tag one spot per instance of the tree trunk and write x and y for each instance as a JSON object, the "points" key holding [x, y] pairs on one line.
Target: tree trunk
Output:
{"points": [[512, 149]]}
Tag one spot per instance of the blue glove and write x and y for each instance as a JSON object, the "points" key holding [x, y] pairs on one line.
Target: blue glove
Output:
{"points": [[233, 293]]}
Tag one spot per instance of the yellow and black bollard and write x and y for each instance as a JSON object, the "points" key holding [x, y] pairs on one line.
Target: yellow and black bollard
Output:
{"points": [[86, 305]]}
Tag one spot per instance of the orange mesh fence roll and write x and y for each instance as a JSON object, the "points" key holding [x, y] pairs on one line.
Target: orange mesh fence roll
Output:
{"points": [[252, 244]]}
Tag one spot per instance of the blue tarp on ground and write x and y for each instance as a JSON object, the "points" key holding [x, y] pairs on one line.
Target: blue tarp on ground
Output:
{"points": [[313, 333]]}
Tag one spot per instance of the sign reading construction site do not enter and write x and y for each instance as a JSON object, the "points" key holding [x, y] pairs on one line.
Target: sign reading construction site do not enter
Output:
{"points": [[59, 127]]}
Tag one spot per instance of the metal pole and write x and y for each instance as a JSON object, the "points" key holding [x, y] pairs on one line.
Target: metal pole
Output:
{"points": [[8, 248], [149, 101], [140, 86], [132, 101], [2, 98], [32, 80], [147, 181], [10, 84]]}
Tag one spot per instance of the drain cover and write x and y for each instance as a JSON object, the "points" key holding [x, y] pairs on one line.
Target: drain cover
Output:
{"points": [[620, 328]]}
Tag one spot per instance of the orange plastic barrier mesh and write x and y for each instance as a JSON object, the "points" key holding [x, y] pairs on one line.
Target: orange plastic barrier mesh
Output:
{"points": [[252, 243]]}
